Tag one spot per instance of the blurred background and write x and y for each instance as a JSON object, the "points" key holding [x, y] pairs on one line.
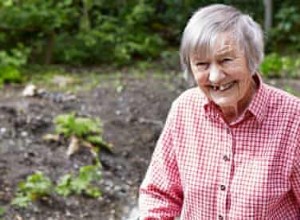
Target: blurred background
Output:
{"points": [[123, 32]]}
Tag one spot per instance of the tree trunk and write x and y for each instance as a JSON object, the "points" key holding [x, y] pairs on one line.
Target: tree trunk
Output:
{"points": [[49, 48], [268, 15]]}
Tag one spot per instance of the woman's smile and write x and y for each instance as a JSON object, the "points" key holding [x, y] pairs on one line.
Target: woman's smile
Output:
{"points": [[223, 87]]}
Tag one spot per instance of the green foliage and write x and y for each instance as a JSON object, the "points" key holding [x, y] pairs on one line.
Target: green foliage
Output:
{"points": [[86, 129], [38, 186], [272, 65], [277, 66], [34, 188], [34, 23], [64, 186], [15, 57], [85, 32], [82, 32], [112, 38], [69, 124], [80, 184], [10, 63], [287, 28], [10, 74], [36, 15], [2, 211]]}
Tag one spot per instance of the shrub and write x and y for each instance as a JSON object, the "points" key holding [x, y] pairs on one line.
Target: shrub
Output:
{"points": [[272, 66], [286, 32], [10, 64], [275, 65]]}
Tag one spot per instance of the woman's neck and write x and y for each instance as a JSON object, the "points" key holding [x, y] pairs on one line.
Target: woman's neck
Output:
{"points": [[233, 112]]}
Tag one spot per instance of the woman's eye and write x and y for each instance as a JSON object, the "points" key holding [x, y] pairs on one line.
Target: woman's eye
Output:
{"points": [[202, 65], [225, 60]]}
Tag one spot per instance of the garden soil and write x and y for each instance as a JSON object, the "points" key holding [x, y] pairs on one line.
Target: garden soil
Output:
{"points": [[132, 108]]}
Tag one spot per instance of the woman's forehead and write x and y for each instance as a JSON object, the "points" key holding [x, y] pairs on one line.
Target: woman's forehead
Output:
{"points": [[223, 44]]}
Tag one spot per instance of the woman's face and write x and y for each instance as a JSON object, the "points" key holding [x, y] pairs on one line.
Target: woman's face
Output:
{"points": [[223, 75]]}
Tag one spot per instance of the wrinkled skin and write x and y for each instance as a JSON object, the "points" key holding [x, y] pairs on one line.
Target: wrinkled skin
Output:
{"points": [[224, 77]]}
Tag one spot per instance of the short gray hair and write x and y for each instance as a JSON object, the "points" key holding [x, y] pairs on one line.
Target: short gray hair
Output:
{"points": [[203, 27]]}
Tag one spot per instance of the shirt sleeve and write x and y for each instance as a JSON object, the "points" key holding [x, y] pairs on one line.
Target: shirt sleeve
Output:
{"points": [[295, 178], [161, 192]]}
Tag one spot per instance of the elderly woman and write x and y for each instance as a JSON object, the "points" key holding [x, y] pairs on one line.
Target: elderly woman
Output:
{"points": [[230, 149]]}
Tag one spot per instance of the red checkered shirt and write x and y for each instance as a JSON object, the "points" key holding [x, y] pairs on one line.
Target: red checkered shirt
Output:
{"points": [[204, 169]]}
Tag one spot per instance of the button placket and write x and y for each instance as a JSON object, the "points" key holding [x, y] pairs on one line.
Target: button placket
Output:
{"points": [[225, 171], [223, 185]]}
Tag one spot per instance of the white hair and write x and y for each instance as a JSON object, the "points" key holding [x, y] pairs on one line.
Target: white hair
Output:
{"points": [[203, 27]]}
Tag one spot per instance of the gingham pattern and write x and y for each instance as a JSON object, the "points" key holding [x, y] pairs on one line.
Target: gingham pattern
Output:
{"points": [[205, 169]]}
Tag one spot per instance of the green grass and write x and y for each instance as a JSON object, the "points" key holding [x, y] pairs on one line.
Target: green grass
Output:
{"points": [[85, 80], [44, 77], [291, 90]]}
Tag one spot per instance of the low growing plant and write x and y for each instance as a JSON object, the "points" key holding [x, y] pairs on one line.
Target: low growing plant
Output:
{"points": [[38, 186], [35, 187], [69, 124], [80, 184], [81, 131]]}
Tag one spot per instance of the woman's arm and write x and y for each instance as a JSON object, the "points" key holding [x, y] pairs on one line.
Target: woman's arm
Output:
{"points": [[295, 178], [161, 192]]}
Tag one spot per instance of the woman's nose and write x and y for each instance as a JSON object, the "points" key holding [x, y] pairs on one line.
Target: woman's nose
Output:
{"points": [[216, 75]]}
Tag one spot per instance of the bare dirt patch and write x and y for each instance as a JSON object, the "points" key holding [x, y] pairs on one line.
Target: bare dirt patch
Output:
{"points": [[133, 113]]}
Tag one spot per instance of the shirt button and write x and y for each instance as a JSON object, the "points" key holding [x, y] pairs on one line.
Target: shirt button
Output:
{"points": [[222, 187], [221, 217], [226, 158]]}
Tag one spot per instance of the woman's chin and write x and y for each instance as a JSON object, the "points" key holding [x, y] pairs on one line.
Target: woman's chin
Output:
{"points": [[224, 102]]}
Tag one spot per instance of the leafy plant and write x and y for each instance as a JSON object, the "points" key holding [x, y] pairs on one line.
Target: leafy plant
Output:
{"points": [[10, 63], [81, 131], [10, 74], [35, 187], [82, 183], [69, 124], [38, 186], [15, 57]]}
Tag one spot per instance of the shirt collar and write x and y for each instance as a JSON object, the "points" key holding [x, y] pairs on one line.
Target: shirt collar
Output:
{"points": [[257, 106]]}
